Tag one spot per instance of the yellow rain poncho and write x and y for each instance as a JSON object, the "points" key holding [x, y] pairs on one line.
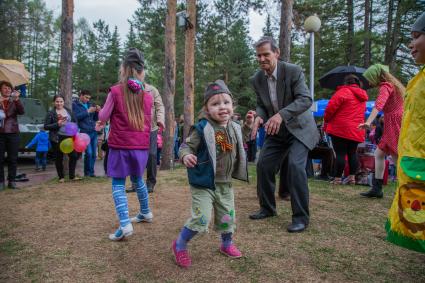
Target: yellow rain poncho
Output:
{"points": [[406, 219]]}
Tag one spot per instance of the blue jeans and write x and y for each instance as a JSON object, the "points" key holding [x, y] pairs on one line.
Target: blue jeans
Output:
{"points": [[90, 154], [176, 149], [40, 159]]}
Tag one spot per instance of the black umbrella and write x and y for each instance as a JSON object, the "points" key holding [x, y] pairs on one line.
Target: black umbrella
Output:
{"points": [[335, 77]]}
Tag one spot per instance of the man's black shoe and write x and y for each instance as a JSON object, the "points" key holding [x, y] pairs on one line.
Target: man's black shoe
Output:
{"points": [[296, 227], [261, 215], [12, 185]]}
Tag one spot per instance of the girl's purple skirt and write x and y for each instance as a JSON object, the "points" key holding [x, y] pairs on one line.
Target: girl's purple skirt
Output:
{"points": [[127, 162]]}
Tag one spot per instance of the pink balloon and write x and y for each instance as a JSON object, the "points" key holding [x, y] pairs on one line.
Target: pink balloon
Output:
{"points": [[83, 136], [80, 144]]}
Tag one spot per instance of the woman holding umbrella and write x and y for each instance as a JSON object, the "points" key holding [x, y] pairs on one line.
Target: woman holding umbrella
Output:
{"points": [[10, 108], [390, 101], [345, 110]]}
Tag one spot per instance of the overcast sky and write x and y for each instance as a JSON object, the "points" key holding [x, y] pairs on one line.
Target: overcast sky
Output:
{"points": [[116, 13]]}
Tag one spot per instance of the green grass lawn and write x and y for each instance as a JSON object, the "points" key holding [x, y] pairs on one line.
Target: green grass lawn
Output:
{"points": [[58, 232]]}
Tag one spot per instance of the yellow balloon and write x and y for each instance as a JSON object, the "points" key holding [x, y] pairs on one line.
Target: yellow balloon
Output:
{"points": [[67, 145]]}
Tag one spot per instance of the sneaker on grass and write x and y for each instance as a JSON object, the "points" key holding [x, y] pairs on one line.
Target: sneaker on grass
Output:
{"points": [[121, 233], [231, 251], [182, 257], [142, 218]]}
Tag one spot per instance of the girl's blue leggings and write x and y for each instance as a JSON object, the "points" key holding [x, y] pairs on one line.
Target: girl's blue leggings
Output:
{"points": [[120, 198]]}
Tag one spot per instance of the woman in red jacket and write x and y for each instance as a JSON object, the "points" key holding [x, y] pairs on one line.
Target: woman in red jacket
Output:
{"points": [[342, 116]]}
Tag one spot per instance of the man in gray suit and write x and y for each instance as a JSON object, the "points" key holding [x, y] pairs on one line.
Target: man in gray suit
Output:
{"points": [[283, 106]]}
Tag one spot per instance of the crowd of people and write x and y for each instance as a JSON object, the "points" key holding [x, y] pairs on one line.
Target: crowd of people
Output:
{"points": [[213, 152]]}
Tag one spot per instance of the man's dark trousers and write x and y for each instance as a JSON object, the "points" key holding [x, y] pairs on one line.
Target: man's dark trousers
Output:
{"points": [[277, 148], [90, 154], [151, 165]]}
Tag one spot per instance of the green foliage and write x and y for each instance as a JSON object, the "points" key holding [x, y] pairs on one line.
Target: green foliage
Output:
{"points": [[224, 51], [222, 48], [97, 59], [30, 33], [332, 39]]}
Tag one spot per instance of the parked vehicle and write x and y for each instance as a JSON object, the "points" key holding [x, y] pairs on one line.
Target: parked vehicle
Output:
{"points": [[30, 123]]}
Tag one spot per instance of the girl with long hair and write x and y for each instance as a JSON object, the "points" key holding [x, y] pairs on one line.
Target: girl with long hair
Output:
{"points": [[389, 101], [128, 108]]}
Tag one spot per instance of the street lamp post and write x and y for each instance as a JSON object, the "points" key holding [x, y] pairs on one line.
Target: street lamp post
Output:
{"points": [[312, 24]]}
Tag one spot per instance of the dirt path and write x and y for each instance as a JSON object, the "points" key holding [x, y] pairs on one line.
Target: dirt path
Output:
{"points": [[58, 232], [36, 178]]}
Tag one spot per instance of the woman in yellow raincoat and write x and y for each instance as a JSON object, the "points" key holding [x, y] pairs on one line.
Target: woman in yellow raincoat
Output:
{"points": [[406, 220]]}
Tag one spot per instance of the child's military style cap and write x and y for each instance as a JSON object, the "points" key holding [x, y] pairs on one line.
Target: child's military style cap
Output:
{"points": [[215, 88]]}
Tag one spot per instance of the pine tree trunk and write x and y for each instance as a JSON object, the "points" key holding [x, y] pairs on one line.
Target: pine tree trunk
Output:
{"points": [[36, 65], [395, 41], [169, 84], [67, 38], [189, 63], [367, 29], [285, 29], [387, 57], [350, 33]]}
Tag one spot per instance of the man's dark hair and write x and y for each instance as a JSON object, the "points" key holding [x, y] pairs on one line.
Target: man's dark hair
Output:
{"points": [[265, 40], [85, 92]]}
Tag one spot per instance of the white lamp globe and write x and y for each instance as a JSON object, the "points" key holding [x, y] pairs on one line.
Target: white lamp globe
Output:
{"points": [[312, 24]]}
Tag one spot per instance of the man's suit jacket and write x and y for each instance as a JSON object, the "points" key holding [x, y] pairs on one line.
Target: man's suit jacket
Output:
{"points": [[294, 102]]}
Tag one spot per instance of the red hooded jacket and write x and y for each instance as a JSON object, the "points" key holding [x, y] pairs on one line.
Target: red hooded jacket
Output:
{"points": [[345, 111]]}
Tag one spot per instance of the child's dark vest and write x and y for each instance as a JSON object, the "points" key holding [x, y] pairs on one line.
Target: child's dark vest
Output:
{"points": [[203, 174]]}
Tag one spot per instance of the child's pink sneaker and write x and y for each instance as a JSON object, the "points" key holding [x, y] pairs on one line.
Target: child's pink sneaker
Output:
{"points": [[231, 251], [182, 257]]}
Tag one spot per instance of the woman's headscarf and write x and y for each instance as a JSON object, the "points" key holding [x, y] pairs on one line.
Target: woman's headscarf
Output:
{"points": [[373, 73]]}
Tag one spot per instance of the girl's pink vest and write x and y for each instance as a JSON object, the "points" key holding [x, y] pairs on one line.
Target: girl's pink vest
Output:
{"points": [[122, 135]]}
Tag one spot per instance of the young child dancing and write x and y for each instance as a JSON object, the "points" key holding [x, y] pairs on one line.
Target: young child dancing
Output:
{"points": [[213, 154], [128, 107]]}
